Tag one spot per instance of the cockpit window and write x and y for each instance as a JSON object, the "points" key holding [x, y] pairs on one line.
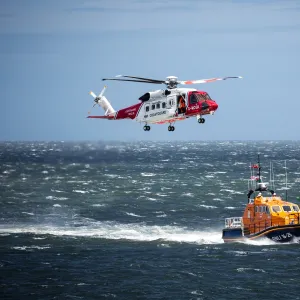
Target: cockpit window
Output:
{"points": [[286, 208], [195, 97], [276, 208], [207, 97], [295, 207]]}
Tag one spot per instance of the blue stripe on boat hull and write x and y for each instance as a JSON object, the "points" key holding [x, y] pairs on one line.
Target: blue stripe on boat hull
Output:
{"points": [[280, 234]]}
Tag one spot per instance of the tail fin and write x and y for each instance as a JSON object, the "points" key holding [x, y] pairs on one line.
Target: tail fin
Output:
{"points": [[103, 102]]}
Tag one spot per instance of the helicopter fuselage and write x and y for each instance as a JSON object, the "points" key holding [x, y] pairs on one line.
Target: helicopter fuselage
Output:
{"points": [[162, 106], [168, 106]]}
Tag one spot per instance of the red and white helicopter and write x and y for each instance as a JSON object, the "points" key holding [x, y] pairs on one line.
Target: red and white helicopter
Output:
{"points": [[162, 106]]}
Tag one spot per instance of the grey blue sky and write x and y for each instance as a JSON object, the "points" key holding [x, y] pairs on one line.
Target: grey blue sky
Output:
{"points": [[52, 53]]}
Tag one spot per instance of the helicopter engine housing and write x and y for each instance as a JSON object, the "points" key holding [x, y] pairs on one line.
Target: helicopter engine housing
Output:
{"points": [[154, 95]]}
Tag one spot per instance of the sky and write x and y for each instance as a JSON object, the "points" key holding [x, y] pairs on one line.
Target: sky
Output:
{"points": [[53, 53]]}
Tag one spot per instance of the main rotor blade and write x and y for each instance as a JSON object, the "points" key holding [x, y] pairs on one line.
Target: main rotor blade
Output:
{"points": [[142, 78], [131, 80], [207, 80]]}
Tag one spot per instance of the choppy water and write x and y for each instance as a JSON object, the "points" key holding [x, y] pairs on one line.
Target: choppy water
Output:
{"points": [[138, 221]]}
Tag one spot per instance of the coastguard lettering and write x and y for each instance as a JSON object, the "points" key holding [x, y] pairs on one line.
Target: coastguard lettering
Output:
{"points": [[158, 113], [130, 110]]}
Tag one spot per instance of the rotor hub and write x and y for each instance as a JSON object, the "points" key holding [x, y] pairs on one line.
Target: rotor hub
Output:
{"points": [[172, 82]]}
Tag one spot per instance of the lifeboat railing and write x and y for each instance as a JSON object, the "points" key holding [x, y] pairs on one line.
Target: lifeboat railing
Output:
{"points": [[234, 222]]}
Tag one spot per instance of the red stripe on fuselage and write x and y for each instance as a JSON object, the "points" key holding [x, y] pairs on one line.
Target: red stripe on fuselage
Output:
{"points": [[128, 112]]}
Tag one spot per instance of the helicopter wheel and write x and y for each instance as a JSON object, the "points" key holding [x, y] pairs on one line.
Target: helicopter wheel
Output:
{"points": [[147, 128], [171, 128], [201, 120]]}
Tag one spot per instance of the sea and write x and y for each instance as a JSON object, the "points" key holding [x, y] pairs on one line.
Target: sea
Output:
{"points": [[140, 220]]}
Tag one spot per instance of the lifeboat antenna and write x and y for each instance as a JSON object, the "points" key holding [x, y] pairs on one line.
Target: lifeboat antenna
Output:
{"points": [[286, 197], [261, 185], [258, 163], [272, 180]]}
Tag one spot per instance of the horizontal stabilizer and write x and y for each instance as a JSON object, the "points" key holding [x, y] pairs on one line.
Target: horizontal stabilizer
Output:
{"points": [[101, 117]]}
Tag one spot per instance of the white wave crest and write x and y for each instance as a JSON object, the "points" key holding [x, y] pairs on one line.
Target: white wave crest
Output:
{"points": [[115, 231], [147, 174], [133, 215]]}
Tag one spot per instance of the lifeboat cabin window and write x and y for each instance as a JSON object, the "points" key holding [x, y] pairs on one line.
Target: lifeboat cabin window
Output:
{"points": [[267, 210], [286, 208], [295, 207], [276, 208], [147, 108], [261, 209]]}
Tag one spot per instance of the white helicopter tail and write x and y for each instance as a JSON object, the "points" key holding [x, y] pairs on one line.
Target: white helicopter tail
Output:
{"points": [[103, 102]]}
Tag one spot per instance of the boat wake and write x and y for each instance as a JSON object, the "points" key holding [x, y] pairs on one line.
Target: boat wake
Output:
{"points": [[117, 231]]}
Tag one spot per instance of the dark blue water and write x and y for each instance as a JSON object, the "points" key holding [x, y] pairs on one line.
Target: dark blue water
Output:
{"points": [[139, 221]]}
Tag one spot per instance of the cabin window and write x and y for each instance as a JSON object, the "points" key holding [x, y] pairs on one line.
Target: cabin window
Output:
{"points": [[261, 209], [286, 208], [158, 105], [267, 210], [163, 105], [147, 108], [153, 106], [276, 208], [295, 207]]}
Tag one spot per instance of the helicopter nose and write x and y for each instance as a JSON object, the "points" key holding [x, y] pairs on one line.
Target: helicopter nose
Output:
{"points": [[214, 106]]}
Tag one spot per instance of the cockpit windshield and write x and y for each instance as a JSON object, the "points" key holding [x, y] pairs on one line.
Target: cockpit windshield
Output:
{"points": [[196, 97]]}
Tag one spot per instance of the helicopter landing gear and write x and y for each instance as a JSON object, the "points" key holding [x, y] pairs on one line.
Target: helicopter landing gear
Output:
{"points": [[171, 128], [200, 119], [147, 128]]}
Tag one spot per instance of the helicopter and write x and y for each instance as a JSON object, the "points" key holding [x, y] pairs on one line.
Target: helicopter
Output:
{"points": [[163, 106]]}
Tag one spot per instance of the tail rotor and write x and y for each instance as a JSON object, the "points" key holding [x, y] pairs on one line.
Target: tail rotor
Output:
{"points": [[97, 99], [102, 102]]}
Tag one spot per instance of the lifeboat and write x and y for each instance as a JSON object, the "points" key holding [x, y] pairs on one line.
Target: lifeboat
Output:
{"points": [[266, 216]]}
